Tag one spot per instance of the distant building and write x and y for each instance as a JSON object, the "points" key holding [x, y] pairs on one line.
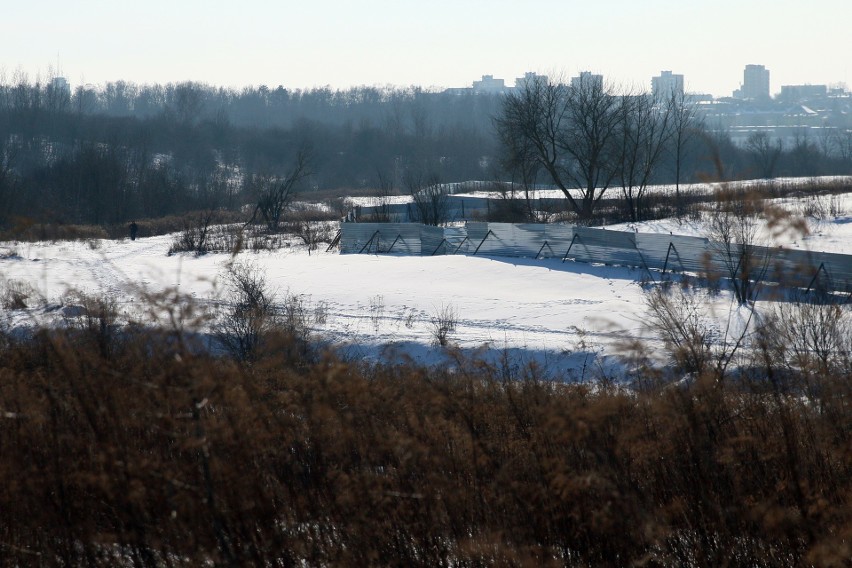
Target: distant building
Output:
{"points": [[755, 85], [58, 93], [60, 85], [489, 84], [666, 85], [587, 78], [530, 78], [698, 98], [798, 93]]}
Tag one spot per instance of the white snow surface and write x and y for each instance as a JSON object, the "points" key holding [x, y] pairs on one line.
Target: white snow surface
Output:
{"points": [[567, 317], [703, 187], [828, 217], [563, 316]]}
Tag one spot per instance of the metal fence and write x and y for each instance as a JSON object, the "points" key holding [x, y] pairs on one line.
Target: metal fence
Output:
{"points": [[623, 248], [455, 208]]}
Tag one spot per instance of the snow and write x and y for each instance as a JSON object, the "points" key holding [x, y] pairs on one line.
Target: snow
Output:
{"points": [[826, 233], [708, 188], [544, 307], [560, 315], [378, 200]]}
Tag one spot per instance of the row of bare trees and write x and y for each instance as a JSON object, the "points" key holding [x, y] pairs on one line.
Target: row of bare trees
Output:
{"points": [[766, 155], [586, 136]]}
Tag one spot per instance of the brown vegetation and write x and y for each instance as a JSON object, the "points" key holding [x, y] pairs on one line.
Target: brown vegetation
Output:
{"points": [[138, 448]]}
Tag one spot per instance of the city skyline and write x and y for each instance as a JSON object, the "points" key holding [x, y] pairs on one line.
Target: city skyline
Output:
{"points": [[442, 45], [751, 88]]}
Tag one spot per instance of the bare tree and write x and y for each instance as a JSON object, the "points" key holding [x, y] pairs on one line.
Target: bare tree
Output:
{"points": [[250, 314], [843, 144], [84, 100], [805, 155], [431, 201], [645, 130], [117, 98], [187, 102], [591, 138], [8, 180], [381, 213], [275, 193], [685, 124], [520, 162], [734, 233], [813, 335], [569, 131], [764, 153]]}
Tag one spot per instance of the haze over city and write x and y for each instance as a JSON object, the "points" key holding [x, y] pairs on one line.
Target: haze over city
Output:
{"points": [[440, 44]]}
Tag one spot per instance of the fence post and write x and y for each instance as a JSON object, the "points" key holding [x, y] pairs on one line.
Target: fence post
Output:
{"points": [[813, 280], [483, 240], [565, 256], [644, 264], [438, 247], [460, 245], [668, 252], [335, 241], [394, 242], [542, 248], [369, 243]]}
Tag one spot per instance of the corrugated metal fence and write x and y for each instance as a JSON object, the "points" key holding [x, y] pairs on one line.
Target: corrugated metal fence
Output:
{"points": [[586, 244], [456, 208]]}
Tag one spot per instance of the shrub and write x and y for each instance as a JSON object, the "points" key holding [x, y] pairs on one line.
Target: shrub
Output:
{"points": [[14, 294], [444, 322], [96, 318], [157, 453], [154, 454], [377, 311], [194, 237], [249, 314]]}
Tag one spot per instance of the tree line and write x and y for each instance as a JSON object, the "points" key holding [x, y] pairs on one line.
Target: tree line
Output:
{"points": [[586, 137], [125, 151]]}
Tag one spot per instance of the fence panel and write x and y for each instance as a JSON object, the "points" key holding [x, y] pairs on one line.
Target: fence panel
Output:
{"points": [[642, 250], [838, 267], [678, 253], [432, 239], [605, 246], [396, 238], [457, 240]]}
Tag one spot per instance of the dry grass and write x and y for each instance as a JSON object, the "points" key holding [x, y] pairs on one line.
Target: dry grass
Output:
{"points": [[148, 451]]}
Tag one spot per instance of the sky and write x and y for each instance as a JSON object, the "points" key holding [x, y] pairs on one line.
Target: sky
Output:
{"points": [[440, 43]]}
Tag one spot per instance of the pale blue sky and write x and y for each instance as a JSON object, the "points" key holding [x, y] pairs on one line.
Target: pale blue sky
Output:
{"points": [[439, 43]]}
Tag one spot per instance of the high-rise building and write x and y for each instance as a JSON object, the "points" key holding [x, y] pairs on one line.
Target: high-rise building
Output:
{"points": [[755, 83], [60, 85], [798, 93], [489, 84], [587, 79], [530, 79], [666, 85]]}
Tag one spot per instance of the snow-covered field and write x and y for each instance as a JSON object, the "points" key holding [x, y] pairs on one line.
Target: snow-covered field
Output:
{"points": [[547, 309], [562, 315], [708, 188], [829, 231]]}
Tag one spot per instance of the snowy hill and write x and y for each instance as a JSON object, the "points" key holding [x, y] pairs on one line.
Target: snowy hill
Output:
{"points": [[562, 315]]}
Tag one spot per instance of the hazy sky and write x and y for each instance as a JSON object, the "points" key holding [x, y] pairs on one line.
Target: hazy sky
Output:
{"points": [[445, 43]]}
